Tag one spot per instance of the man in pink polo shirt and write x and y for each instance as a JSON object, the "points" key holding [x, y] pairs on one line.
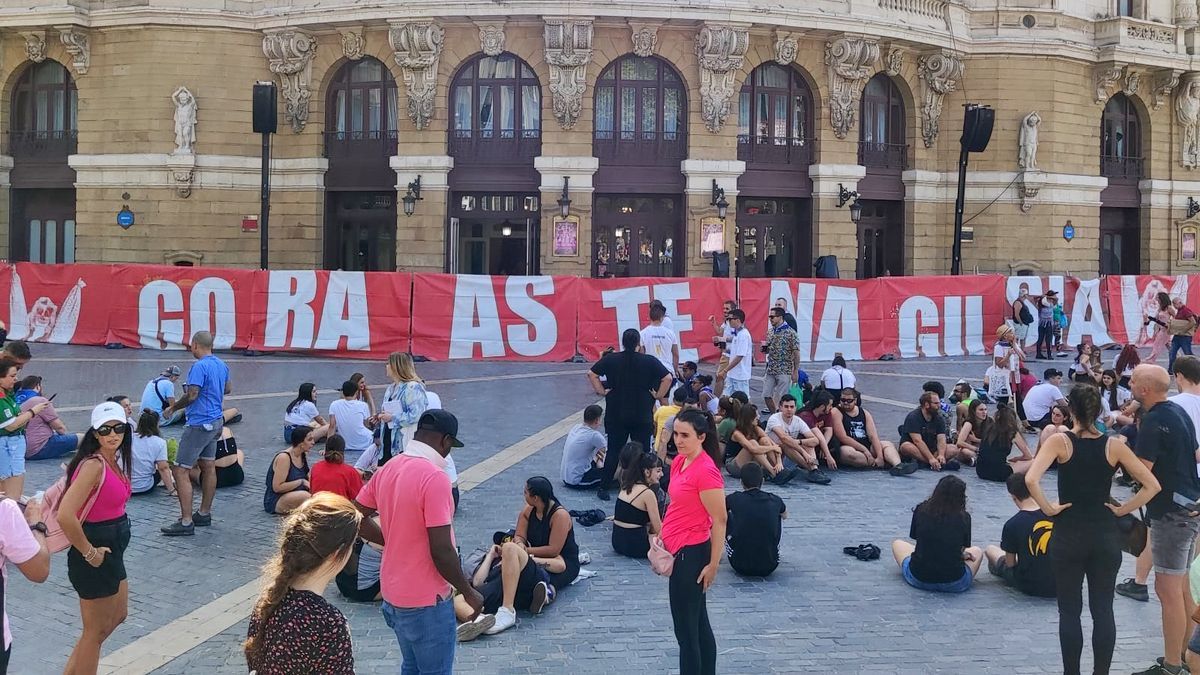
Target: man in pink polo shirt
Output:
{"points": [[412, 496]]}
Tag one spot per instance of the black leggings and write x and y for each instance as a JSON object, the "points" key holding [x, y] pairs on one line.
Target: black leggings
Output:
{"points": [[1093, 550], [697, 646], [1046, 337], [618, 433]]}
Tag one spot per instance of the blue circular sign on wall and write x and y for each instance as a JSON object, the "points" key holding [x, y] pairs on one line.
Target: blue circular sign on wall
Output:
{"points": [[1068, 231], [125, 217]]}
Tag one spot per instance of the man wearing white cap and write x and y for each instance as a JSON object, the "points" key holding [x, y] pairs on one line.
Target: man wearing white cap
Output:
{"points": [[159, 395]]}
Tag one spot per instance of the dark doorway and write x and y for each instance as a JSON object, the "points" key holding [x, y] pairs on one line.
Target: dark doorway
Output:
{"points": [[637, 236], [1120, 241], [43, 225], [776, 237], [360, 231], [881, 239], [494, 233]]}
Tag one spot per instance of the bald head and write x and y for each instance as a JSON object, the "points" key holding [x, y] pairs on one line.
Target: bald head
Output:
{"points": [[202, 343], [1150, 383]]}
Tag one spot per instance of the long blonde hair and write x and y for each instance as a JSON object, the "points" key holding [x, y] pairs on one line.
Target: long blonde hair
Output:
{"points": [[324, 527], [401, 365]]}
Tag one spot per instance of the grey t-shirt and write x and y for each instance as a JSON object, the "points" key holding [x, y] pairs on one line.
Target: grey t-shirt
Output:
{"points": [[579, 451], [369, 560]]}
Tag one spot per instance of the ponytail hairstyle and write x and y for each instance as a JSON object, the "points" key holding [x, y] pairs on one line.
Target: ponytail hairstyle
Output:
{"points": [[635, 472], [323, 528], [543, 489], [729, 407], [335, 449], [147, 424], [703, 424], [1084, 404], [305, 394]]}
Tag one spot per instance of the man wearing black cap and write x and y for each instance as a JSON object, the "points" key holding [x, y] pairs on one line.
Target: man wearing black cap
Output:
{"points": [[1046, 305], [1043, 397]]}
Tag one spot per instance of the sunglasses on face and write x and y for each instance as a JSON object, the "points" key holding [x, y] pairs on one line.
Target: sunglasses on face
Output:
{"points": [[111, 429], [848, 401]]}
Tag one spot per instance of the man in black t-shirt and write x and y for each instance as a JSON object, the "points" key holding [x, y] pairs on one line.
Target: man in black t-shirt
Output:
{"points": [[630, 383], [755, 526], [1166, 442], [1022, 559], [923, 435]]}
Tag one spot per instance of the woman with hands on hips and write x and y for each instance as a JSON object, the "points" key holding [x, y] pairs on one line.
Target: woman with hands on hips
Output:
{"points": [[95, 561], [1086, 541]]}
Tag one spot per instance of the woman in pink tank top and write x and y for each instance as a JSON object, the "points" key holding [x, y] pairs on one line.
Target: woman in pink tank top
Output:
{"points": [[99, 535]]}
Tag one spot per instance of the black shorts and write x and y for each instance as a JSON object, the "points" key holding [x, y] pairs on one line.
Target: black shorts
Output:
{"points": [[348, 586], [228, 476], [93, 583], [493, 588]]}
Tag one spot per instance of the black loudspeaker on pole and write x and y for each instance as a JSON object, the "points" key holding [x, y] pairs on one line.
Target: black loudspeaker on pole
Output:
{"points": [[266, 116], [977, 131]]}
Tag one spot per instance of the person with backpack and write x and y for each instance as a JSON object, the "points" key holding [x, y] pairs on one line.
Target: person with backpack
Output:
{"points": [[1022, 315], [159, 395]]}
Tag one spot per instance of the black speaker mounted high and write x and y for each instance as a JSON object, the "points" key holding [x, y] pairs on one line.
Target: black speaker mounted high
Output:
{"points": [[826, 267], [266, 108], [977, 128]]}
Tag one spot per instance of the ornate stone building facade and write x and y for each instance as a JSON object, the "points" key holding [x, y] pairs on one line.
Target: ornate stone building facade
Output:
{"points": [[597, 139]]}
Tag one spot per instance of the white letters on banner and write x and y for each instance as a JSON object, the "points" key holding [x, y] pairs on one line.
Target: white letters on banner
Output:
{"points": [[961, 331], [1087, 314], [838, 330], [539, 334], [628, 301], [476, 318], [1136, 306], [211, 307], [344, 312]]}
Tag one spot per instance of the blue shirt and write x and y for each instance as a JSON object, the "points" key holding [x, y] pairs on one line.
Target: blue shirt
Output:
{"points": [[156, 392], [210, 374]]}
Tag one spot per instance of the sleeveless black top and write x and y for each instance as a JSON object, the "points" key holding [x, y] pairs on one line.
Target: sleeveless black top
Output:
{"points": [[539, 535], [856, 426], [1085, 482], [628, 513]]}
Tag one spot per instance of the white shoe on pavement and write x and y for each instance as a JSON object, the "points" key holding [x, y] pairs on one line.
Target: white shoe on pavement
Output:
{"points": [[472, 629], [505, 618]]}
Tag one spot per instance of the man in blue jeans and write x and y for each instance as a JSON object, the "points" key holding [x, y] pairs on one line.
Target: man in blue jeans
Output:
{"points": [[413, 498], [1181, 332], [203, 396]]}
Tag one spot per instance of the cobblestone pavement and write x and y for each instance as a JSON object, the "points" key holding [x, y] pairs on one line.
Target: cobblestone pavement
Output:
{"points": [[822, 611]]}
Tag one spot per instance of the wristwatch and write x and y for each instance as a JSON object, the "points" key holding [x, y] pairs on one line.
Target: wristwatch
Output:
{"points": [[40, 527]]}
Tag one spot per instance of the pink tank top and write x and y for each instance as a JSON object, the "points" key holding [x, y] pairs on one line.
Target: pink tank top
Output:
{"points": [[114, 493]]}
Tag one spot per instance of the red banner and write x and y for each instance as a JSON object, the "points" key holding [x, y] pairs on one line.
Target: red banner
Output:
{"points": [[940, 316], [608, 307], [833, 316], [62, 304], [1132, 299], [168, 305], [494, 318]]}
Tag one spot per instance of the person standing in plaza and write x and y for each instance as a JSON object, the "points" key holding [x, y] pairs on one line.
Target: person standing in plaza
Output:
{"points": [[203, 399], [1022, 316], [412, 496], [404, 401], [661, 342], [1181, 328], [159, 395], [1086, 541], [783, 359], [694, 532], [632, 381], [23, 543], [1045, 337], [741, 355], [723, 335], [1162, 320], [790, 320], [13, 421]]}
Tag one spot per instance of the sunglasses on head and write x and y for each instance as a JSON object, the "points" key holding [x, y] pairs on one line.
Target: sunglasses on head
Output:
{"points": [[107, 429]]}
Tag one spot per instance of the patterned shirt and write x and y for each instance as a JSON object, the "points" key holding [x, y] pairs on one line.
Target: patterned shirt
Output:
{"points": [[305, 634], [781, 345]]}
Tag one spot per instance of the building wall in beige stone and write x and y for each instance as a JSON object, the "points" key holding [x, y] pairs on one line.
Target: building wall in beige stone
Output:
{"points": [[579, 265], [421, 238]]}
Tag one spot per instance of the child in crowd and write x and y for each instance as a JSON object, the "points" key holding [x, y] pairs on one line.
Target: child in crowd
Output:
{"points": [[1022, 559], [332, 474], [942, 559]]}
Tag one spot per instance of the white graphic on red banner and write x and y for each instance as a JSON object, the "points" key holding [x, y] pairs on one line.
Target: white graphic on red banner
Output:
{"points": [[44, 321]]}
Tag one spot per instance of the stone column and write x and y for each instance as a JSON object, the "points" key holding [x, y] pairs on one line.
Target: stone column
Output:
{"points": [[700, 174], [579, 171], [421, 237], [833, 231]]}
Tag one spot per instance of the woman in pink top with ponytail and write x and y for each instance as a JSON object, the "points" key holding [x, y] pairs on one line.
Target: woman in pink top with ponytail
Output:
{"points": [[95, 561], [694, 531]]}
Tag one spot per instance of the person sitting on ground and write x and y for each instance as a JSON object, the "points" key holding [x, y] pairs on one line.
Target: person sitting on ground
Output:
{"points": [[976, 422], [364, 391], [1060, 423], [126, 404], [349, 417], [18, 352], [755, 526], [46, 437], [229, 462], [159, 395], [817, 413], [749, 443], [636, 517], [1022, 559], [706, 399], [923, 435], [1118, 403], [728, 409], [687, 381], [664, 412], [837, 377], [961, 397], [302, 412], [996, 444], [359, 579], [582, 465], [857, 439], [149, 466], [943, 559], [1043, 397], [1125, 362], [287, 477], [1087, 366], [332, 474], [945, 407], [541, 559], [797, 441]]}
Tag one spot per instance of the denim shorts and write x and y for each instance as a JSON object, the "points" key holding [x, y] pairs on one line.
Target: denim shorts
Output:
{"points": [[732, 385], [959, 586], [1172, 542], [12, 456]]}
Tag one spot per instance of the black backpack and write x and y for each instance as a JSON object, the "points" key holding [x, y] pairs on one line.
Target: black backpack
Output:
{"points": [[1026, 315]]}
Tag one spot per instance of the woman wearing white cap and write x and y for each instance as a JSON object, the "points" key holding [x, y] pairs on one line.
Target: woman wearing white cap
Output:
{"points": [[99, 537]]}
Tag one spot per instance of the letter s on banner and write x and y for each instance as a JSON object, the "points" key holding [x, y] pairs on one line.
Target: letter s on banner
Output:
{"points": [[540, 332]]}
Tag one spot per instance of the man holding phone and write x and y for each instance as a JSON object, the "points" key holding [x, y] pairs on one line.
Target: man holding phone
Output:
{"points": [[46, 436]]}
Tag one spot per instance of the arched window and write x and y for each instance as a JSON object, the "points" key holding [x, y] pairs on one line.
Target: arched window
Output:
{"points": [[1121, 140], [496, 103], [362, 105], [44, 112], [882, 144], [641, 113], [775, 117]]}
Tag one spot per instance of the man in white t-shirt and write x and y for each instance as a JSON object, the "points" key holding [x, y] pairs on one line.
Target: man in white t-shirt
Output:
{"points": [[661, 342], [741, 355], [796, 439], [722, 336], [1043, 397], [348, 417]]}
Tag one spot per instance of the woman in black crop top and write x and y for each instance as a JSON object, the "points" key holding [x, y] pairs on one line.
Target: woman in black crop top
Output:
{"points": [[1085, 540], [636, 517]]}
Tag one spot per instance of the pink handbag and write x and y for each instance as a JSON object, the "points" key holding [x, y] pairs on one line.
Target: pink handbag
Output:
{"points": [[56, 539], [661, 560]]}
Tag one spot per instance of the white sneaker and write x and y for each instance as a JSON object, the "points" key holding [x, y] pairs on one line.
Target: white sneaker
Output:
{"points": [[472, 629], [505, 618]]}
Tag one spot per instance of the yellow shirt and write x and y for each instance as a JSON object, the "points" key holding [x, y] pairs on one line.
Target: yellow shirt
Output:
{"points": [[661, 416]]}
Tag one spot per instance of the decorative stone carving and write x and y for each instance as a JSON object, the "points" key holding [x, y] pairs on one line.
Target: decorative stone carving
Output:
{"points": [[1151, 34], [940, 74], [1133, 83], [894, 61], [1185, 13], [290, 54], [849, 61], [418, 49], [354, 45], [645, 38], [1165, 83], [1029, 183], [183, 171], [721, 51], [78, 45], [35, 45], [568, 52], [1028, 142], [491, 38], [787, 47], [1105, 78], [1187, 111], [185, 121]]}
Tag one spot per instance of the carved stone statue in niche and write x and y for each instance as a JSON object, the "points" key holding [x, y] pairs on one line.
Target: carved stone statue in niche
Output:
{"points": [[1187, 111], [185, 121], [1028, 139]]}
